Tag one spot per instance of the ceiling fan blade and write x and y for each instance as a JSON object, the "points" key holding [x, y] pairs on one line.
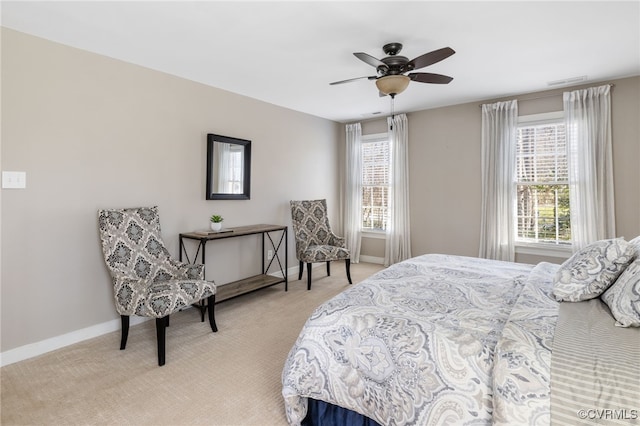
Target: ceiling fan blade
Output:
{"points": [[430, 58], [371, 77], [374, 62], [427, 77]]}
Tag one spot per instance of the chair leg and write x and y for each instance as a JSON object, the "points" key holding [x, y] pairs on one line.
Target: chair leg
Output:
{"points": [[308, 276], [202, 308], [347, 263], [125, 331], [211, 303], [328, 269], [301, 269], [161, 328]]}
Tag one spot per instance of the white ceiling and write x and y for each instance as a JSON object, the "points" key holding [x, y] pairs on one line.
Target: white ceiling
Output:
{"points": [[287, 53]]}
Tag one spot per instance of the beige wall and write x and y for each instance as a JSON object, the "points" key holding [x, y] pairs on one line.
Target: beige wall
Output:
{"points": [[444, 175], [92, 132]]}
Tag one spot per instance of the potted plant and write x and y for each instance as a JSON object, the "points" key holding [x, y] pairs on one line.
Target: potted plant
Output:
{"points": [[216, 222]]}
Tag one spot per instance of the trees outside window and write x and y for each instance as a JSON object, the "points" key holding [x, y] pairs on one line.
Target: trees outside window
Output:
{"points": [[542, 187]]}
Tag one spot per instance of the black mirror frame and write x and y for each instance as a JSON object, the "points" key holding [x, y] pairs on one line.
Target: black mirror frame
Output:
{"points": [[246, 183]]}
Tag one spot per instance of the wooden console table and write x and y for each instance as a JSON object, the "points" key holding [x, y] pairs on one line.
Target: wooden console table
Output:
{"points": [[236, 288]]}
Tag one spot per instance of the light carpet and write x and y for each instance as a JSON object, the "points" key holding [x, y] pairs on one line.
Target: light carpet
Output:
{"points": [[232, 377]]}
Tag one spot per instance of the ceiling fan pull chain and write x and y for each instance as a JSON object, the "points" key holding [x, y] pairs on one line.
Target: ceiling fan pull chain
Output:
{"points": [[392, 111]]}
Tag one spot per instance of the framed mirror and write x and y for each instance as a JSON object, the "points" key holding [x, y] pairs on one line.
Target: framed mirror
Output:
{"points": [[228, 168]]}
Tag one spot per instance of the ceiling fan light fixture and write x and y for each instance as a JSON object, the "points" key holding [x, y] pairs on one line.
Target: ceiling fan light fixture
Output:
{"points": [[392, 84]]}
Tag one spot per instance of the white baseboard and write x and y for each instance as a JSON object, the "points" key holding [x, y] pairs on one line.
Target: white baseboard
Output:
{"points": [[295, 270], [290, 271], [38, 348], [34, 349], [372, 259]]}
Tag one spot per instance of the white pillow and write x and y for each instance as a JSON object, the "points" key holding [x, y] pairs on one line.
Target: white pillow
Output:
{"points": [[623, 297], [590, 271], [636, 243]]}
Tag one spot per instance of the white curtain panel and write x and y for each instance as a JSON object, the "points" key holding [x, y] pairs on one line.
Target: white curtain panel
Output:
{"points": [[353, 191], [398, 235], [497, 229], [588, 127]]}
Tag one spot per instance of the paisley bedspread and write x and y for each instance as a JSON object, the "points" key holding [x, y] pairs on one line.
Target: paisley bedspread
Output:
{"points": [[522, 370], [415, 343]]}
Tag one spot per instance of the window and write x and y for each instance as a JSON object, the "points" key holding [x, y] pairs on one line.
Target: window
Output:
{"points": [[375, 181], [542, 187], [229, 161], [236, 163]]}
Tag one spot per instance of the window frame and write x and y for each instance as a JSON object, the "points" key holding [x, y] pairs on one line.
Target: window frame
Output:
{"points": [[372, 232], [538, 248]]}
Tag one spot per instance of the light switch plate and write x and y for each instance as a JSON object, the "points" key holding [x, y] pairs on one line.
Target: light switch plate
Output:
{"points": [[14, 180]]}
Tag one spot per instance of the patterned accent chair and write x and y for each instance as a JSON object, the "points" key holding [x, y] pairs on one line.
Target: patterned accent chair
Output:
{"points": [[315, 242], [147, 281]]}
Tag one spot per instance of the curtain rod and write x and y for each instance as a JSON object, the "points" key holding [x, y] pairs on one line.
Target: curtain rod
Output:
{"points": [[548, 95]]}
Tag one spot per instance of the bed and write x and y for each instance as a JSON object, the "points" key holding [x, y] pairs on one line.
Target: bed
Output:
{"points": [[435, 340]]}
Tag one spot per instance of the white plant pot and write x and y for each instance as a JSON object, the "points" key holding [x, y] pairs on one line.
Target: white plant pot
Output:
{"points": [[216, 226]]}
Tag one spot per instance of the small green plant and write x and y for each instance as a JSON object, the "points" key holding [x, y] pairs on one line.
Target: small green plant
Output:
{"points": [[216, 218]]}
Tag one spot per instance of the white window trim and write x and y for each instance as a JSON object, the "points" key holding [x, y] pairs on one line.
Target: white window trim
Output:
{"points": [[542, 249], [544, 118], [374, 137], [374, 234]]}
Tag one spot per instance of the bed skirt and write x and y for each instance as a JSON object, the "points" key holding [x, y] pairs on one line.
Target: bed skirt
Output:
{"points": [[321, 413]]}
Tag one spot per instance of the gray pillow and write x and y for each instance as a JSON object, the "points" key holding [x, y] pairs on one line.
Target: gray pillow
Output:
{"points": [[636, 243], [623, 297], [590, 271]]}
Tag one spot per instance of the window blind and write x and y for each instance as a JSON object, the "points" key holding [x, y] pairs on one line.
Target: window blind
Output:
{"points": [[542, 188], [375, 183]]}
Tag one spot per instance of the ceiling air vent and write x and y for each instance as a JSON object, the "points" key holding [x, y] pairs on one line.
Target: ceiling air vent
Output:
{"points": [[566, 81], [372, 113]]}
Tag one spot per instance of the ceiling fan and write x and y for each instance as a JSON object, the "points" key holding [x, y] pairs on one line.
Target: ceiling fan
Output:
{"points": [[390, 71]]}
